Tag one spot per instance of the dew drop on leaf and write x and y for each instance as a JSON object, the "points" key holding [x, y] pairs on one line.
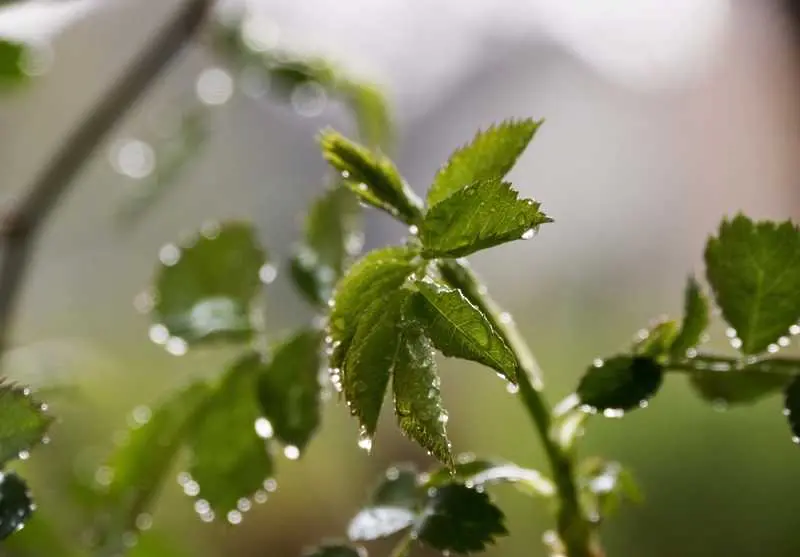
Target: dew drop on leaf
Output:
{"points": [[267, 273], [291, 452], [264, 428], [158, 334], [234, 517]]}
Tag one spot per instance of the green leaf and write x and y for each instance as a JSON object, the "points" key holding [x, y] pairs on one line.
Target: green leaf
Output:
{"points": [[206, 291], [23, 421], [376, 275], [417, 401], [488, 157], [695, 320], [289, 389], [658, 341], [791, 408], [399, 488], [16, 505], [754, 269], [371, 176], [605, 486], [619, 384], [459, 329], [460, 519], [229, 459], [320, 260], [12, 62], [371, 112], [737, 387], [139, 467], [379, 522], [371, 359], [335, 550], [479, 216], [480, 473]]}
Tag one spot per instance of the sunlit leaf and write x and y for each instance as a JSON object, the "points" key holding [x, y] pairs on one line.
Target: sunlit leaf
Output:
{"points": [[206, 291], [379, 522], [459, 329], [23, 421], [376, 275], [754, 269], [16, 504], [334, 550], [371, 176], [490, 155], [479, 216], [695, 320], [737, 387], [479, 473], [605, 485], [138, 468], [229, 459], [318, 262], [460, 519], [289, 389], [658, 341], [619, 384], [12, 62], [371, 358]]}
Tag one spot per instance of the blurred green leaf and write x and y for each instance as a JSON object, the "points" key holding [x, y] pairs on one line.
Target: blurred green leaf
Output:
{"points": [[620, 384], [371, 176], [460, 519], [695, 320], [371, 111], [205, 291], [138, 468], [319, 261], [459, 329], [12, 62], [605, 486], [791, 408], [480, 473], [490, 156], [40, 536], [289, 389], [371, 358], [479, 216], [658, 341], [154, 544], [754, 270], [737, 387], [374, 276], [16, 505], [379, 522], [229, 460], [417, 400], [334, 550], [399, 488], [23, 422]]}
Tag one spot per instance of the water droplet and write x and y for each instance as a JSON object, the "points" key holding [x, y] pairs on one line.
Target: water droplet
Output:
{"points": [[176, 346], [234, 517], [392, 473], [528, 234], [512, 389], [691, 353], [158, 333], [201, 506], [613, 412], [207, 516], [783, 342], [365, 442], [184, 478], [443, 418], [264, 428], [133, 158], [169, 254], [794, 330], [730, 332], [26, 391], [210, 229], [129, 539], [773, 348], [598, 362], [413, 230], [214, 86], [44, 407], [267, 273], [786, 412], [432, 492], [141, 414], [260, 497], [144, 521], [643, 404], [103, 476], [291, 452], [345, 174], [191, 488], [795, 439], [259, 33], [720, 405], [505, 318], [736, 343], [243, 504], [270, 485], [24, 455], [309, 99], [143, 302]]}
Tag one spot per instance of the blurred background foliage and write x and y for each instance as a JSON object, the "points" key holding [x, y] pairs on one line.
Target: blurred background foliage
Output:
{"points": [[660, 119]]}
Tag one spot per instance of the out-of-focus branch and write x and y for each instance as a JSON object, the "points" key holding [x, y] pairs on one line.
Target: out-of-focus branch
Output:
{"points": [[22, 223]]}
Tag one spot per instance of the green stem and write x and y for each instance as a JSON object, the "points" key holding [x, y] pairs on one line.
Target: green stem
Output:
{"points": [[574, 530]]}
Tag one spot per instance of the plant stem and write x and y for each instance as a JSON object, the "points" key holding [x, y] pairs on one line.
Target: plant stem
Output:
{"points": [[573, 528], [21, 225]]}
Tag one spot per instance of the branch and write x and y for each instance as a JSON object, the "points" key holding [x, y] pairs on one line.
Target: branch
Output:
{"points": [[20, 226]]}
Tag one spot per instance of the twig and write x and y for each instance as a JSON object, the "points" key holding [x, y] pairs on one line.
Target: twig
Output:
{"points": [[20, 226]]}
